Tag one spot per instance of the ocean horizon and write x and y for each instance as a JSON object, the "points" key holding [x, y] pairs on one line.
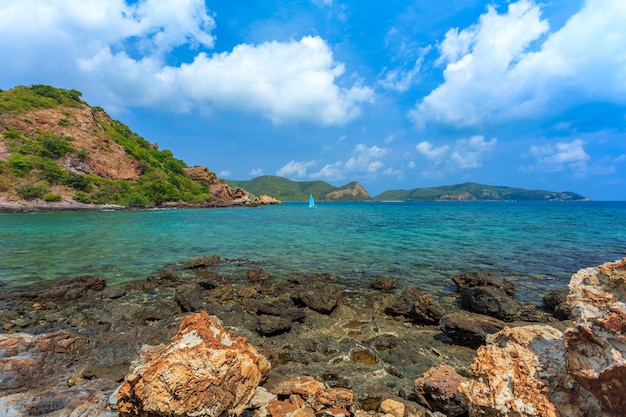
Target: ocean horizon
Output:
{"points": [[538, 245]]}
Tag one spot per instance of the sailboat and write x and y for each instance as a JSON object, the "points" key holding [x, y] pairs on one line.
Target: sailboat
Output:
{"points": [[311, 201]]}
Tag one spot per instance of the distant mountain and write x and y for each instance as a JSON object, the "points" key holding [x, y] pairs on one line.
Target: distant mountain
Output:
{"points": [[56, 152], [287, 190], [471, 191]]}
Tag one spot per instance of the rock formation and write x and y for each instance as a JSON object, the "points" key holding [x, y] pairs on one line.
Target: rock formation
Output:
{"points": [[540, 371], [204, 371]]}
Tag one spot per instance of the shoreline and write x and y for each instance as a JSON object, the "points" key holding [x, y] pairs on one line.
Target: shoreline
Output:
{"points": [[373, 341]]}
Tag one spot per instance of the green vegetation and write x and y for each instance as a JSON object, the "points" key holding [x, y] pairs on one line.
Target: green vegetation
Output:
{"points": [[23, 99], [40, 159], [285, 189], [472, 191]]}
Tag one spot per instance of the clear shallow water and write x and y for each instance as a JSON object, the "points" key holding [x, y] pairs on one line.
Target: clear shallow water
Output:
{"points": [[539, 245]]}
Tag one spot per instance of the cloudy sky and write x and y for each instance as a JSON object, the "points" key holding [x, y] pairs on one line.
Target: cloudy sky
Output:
{"points": [[395, 94]]}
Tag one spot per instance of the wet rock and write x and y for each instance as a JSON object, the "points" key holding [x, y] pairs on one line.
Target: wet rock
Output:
{"points": [[272, 325], [258, 275], [426, 310], [437, 389], [168, 274], [483, 279], [469, 329], [201, 261], [555, 303], [384, 284], [189, 297], [64, 290], [173, 380], [274, 306], [405, 302], [114, 292], [322, 298], [490, 301]]}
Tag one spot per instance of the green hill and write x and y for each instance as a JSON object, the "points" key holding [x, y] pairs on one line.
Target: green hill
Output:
{"points": [[475, 192], [287, 190], [56, 149]]}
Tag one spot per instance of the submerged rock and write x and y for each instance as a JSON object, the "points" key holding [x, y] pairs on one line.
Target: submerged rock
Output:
{"points": [[204, 371]]}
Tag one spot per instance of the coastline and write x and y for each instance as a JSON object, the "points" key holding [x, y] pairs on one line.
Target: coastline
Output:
{"points": [[374, 341]]}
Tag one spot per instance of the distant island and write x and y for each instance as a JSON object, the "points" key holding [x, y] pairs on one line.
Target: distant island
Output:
{"points": [[288, 190], [58, 152]]}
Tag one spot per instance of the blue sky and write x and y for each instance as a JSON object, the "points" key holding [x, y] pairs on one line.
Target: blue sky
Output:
{"points": [[393, 94]]}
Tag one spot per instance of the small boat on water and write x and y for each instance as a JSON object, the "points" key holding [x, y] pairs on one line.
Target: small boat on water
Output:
{"points": [[311, 201]]}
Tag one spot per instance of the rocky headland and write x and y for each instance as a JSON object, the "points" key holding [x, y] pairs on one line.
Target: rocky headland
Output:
{"points": [[218, 337]]}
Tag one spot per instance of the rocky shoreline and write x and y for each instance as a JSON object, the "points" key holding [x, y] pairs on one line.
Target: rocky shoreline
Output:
{"points": [[305, 345]]}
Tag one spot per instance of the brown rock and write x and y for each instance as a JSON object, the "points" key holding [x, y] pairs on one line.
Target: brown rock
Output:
{"points": [[392, 407], [483, 279], [384, 284], [596, 344], [204, 371], [469, 329], [437, 389], [28, 362], [505, 375]]}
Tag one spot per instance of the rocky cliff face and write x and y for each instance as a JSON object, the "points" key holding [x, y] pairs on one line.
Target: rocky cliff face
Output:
{"points": [[354, 190], [540, 371]]}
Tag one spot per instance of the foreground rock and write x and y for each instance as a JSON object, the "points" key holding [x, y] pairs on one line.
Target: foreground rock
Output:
{"points": [[539, 371], [204, 371]]}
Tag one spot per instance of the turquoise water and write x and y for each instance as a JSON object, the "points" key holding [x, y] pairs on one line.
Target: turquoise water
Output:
{"points": [[539, 245]]}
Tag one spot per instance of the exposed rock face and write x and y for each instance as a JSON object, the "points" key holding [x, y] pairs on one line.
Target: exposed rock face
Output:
{"points": [[204, 371], [352, 190], [505, 375], [539, 371], [596, 344], [105, 158]]}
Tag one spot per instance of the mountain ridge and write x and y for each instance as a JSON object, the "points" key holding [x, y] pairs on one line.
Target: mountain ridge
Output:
{"points": [[289, 190]]}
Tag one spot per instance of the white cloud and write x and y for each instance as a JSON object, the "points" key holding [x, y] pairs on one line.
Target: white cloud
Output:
{"points": [[556, 157], [256, 172], [430, 151], [468, 153], [495, 73], [463, 154], [295, 169], [402, 80], [118, 55], [225, 173], [363, 162]]}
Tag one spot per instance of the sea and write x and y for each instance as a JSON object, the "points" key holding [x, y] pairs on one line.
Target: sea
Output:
{"points": [[538, 245]]}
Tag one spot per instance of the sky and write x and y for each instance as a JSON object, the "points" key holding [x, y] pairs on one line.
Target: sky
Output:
{"points": [[395, 94]]}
